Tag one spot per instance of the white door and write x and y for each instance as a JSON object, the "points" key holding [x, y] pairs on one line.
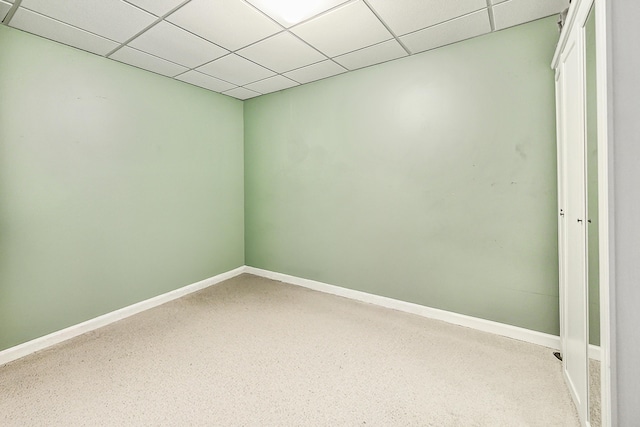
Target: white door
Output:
{"points": [[562, 201], [574, 295]]}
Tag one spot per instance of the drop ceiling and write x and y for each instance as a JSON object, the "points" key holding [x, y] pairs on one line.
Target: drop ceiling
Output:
{"points": [[246, 48]]}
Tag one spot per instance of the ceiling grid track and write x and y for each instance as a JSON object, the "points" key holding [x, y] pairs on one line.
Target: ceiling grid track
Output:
{"points": [[490, 11], [406, 49], [444, 22], [288, 30], [148, 27], [12, 11]]}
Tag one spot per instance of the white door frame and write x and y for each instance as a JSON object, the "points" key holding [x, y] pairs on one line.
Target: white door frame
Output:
{"points": [[581, 8], [604, 191]]}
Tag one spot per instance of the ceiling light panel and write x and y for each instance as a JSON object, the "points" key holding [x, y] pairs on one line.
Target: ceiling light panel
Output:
{"points": [[385, 51], [291, 12], [282, 52], [205, 81], [345, 29], [113, 19], [232, 24], [272, 84], [177, 45], [241, 93], [515, 12], [465, 27], [157, 7], [235, 69], [35, 23], [405, 16], [314, 72], [143, 60]]}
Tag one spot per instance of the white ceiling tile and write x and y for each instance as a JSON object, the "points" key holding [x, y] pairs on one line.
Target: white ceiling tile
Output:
{"points": [[235, 69], [157, 7], [282, 52], [148, 62], [376, 54], [347, 28], [113, 19], [205, 81], [405, 16], [230, 23], [515, 12], [272, 84], [494, 2], [177, 45], [314, 72], [288, 12], [35, 23], [465, 27], [241, 93], [4, 9]]}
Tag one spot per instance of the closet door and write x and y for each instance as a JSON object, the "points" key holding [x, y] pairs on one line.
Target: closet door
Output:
{"points": [[562, 201], [575, 292]]}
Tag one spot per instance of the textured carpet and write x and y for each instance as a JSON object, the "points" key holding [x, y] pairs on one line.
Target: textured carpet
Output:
{"points": [[594, 393], [254, 352]]}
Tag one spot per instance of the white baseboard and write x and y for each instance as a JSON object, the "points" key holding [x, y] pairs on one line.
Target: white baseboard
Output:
{"points": [[515, 332], [57, 337], [497, 328]]}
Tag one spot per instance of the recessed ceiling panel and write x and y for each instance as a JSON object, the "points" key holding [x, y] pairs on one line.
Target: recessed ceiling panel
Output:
{"points": [[405, 16], [143, 60], [113, 19], [272, 84], [235, 69], [177, 45], [385, 51], [157, 7], [231, 24], [282, 52], [448, 32], [514, 12], [241, 93], [345, 29], [35, 23], [314, 72], [4, 9], [291, 12], [205, 81]]}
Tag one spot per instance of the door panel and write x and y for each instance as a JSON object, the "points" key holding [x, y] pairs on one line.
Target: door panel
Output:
{"points": [[575, 334], [562, 201]]}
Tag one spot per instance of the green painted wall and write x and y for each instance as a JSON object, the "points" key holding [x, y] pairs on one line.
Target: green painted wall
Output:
{"points": [[431, 179], [116, 185], [592, 183]]}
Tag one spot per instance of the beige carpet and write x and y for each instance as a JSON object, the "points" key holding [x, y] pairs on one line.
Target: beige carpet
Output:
{"points": [[594, 393], [254, 352]]}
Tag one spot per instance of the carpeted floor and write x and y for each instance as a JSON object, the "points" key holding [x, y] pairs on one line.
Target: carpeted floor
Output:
{"points": [[594, 393], [254, 352]]}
